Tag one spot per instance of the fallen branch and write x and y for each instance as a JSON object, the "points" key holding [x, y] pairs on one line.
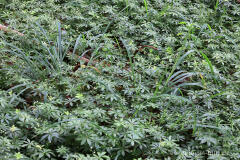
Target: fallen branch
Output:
{"points": [[86, 61], [145, 46], [6, 29]]}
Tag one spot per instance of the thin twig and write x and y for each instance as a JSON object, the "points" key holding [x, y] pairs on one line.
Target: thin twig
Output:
{"points": [[6, 29]]}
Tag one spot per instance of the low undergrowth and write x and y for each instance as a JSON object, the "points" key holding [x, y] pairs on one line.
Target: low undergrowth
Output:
{"points": [[120, 80]]}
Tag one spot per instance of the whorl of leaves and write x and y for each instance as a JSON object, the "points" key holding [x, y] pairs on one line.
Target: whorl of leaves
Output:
{"points": [[120, 79]]}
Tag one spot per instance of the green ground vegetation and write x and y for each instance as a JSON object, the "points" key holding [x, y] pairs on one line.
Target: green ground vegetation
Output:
{"points": [[120, 79]]}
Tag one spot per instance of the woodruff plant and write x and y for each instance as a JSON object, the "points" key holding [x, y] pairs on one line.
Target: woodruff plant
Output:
{"points": [[140, 103]]}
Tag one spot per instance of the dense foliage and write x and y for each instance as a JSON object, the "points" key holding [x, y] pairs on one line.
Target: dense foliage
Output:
{"points": [[120, 79]]}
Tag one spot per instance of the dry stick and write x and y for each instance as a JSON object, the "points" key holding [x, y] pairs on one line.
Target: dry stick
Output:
{"points": [[86, 61], [6, 29], [149, 47], [146, 46]]}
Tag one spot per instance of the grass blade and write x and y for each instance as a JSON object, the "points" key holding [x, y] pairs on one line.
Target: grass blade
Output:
{"points": [[60, 43], [130, 58], [210, 66], [178, 62], [146, 6]]}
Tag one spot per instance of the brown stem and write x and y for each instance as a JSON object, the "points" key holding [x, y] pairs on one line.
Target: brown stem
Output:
{"points": [[6, 29], [143, 46]]}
